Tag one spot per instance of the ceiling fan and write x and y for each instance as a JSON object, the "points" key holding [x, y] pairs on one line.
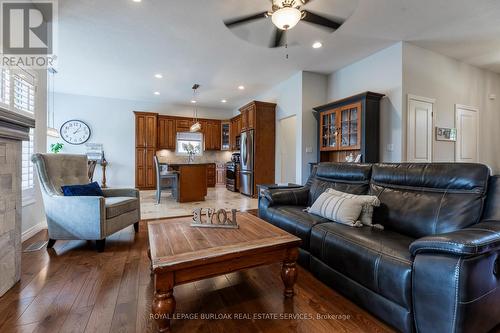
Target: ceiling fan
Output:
{"points": [[286, 14]]}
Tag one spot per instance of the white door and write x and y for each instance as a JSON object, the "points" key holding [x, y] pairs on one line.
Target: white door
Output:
{"points": [[466, 121], [288, 133], [419, 130]]}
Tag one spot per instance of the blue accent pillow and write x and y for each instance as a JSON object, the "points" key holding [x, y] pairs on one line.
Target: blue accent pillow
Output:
{"points": [[87, 190]]}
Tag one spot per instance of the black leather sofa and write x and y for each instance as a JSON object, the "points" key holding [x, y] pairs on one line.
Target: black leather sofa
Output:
{"points": [[435, 266]]}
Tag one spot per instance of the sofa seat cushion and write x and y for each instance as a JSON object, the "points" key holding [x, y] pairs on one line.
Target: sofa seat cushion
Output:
{"points": [[377, 259], [294, 220], [120, 205]]}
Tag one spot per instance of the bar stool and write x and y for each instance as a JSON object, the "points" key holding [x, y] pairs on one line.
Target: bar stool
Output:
{"points": [[173, 176]]}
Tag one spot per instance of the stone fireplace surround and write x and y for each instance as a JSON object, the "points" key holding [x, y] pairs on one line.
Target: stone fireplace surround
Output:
{"points": [[14, 128]]}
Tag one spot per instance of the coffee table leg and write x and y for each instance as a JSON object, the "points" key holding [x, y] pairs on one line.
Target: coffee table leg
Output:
{"points": [[150, 261], [289, 271], [163, 302]]}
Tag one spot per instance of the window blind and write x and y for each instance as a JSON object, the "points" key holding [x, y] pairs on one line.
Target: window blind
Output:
{"points": [[27, 165], [5, 86], [24, 94]]}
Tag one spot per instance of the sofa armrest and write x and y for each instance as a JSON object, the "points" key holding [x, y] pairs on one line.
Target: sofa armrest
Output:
{"points": [[287, 196], [76, 217], [121, 192], [477, 239]]}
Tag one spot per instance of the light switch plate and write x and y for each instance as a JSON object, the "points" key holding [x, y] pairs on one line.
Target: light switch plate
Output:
{"points": [[309, 149], [390, 147]]}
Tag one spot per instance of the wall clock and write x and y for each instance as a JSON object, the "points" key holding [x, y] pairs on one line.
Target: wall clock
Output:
{"points": [[75, 132]]}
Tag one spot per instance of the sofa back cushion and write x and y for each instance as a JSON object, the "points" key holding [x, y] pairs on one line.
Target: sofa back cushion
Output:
{"points": [[344, 177], [492, 206], [427, 199]]}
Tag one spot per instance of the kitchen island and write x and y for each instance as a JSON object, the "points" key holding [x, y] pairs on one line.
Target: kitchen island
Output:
{"points": [[192, 184]]}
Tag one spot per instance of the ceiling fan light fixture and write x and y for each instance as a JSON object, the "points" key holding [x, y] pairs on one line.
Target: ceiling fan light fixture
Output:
{"points": [[286, 18]]}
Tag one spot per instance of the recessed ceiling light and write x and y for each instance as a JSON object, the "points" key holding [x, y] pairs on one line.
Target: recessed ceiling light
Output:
{"points": [[159, 76], [193, 101], [223, 101], [317, 45], [136, 0], [241, 87], [156, 93]]}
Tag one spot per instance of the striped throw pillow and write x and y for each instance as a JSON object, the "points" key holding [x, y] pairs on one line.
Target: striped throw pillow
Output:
{"points": [[337, 209], [367, 201]]}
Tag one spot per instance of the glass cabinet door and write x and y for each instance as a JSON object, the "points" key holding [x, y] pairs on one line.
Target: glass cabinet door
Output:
{"points": [[349, 127], [329, 130]]}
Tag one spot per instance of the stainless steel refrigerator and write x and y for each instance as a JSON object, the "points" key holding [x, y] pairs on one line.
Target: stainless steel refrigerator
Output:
{"points": [[247, 151]]}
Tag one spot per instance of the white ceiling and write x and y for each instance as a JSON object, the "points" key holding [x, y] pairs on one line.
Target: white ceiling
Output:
{"points": [[113, 48]]}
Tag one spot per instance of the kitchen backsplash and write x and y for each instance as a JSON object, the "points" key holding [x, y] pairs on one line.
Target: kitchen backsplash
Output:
{"points": [[168, 156]]}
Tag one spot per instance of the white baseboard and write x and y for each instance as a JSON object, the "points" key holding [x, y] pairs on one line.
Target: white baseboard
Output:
{"points": [[33, 231]]}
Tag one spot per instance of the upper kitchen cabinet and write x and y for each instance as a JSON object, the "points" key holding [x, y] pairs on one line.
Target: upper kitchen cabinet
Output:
{"points": [[145, 129], [235, 132], [225, 135], [145, 148], [248, 116], [350, 127], [166, 132]]}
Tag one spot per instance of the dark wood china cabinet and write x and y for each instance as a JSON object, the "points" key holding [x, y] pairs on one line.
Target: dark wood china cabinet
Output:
{"points": [[349, 127]]}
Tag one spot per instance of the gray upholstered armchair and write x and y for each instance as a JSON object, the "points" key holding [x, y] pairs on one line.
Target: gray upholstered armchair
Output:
{"points": [[82, 217]]}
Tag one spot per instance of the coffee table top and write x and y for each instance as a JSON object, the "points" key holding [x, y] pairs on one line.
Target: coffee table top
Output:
{"points": [[174, 244]]}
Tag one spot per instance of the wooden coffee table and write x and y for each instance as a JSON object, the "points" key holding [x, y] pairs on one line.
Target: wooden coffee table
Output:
{"points": [[180, 254]]}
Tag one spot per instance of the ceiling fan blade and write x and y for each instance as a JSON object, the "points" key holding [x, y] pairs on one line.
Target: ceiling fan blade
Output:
{"points": [[320, 20], [244, 19], [278, 38]]}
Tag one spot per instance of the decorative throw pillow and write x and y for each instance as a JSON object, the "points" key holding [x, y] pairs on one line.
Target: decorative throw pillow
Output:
{"points": [[86, 190], [337, 209], [367, 201]]}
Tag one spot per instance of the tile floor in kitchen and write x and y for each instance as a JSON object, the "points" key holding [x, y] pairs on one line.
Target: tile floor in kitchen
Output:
{"points": [[217, 198]]}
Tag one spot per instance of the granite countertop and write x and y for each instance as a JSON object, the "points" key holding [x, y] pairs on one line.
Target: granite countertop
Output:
{"points": [[195, 163]]}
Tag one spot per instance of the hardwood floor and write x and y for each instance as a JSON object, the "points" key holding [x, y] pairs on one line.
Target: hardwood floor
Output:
{"points": [[72, 288]]}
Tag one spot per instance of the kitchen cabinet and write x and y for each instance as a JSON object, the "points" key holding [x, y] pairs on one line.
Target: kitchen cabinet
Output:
{"points": [[248, 117], [211, 134], [220, 174], [166, 133], [225, 135], [183, 125], [350, 127], [145, 148], [235, 132], [259, 124], [211, 178]]}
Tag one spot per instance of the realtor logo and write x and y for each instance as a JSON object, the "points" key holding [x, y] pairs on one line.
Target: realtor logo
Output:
{"points": [[27, 27]]}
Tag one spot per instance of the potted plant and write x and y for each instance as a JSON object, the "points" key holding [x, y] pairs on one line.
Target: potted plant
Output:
{"points": [[56, 147]]}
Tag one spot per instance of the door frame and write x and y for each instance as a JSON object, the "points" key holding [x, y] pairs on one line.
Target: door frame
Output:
{"points": [[432, 101], [457, 144]]}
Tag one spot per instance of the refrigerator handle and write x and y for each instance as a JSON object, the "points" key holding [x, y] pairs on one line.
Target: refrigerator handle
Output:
{"points": [[244, 149]]}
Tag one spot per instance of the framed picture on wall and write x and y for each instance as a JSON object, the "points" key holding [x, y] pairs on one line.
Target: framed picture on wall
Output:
{"points": [[446, 134]]}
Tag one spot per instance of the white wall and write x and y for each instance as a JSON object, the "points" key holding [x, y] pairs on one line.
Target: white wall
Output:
{"points": [[112, 123], [33, 213], [381, 73], [314, 93], [451, 82], [296, 96], [288, 97]]}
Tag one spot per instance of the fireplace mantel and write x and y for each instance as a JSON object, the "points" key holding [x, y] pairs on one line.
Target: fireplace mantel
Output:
{"points": [[14, 128]]}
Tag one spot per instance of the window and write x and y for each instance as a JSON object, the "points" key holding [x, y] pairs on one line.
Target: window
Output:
{"points": [[27, 165], [24, 93], [5, 86], [187, 141]]}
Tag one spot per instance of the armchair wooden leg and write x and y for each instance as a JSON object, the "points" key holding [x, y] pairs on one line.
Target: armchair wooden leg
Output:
{"points": [[100, 245], [136, 227], [51, 243]]}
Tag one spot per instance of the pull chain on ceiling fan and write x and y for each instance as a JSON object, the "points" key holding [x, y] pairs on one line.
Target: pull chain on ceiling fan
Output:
{"points": [[285, 15]]}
